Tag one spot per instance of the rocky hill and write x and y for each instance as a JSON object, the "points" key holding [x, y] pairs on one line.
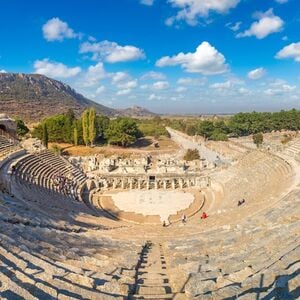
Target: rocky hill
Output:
{"points": [[33, 97], [136, 111]]}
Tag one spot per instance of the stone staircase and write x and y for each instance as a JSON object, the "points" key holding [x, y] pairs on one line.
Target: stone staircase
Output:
{"points": [[152, 280]]}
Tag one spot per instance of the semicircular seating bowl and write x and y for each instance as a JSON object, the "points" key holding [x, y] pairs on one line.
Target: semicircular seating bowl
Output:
{"points": [[257, 257], [53, 247]]}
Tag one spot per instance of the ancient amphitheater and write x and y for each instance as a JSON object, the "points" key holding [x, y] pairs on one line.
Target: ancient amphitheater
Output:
{"points": [[92, 228]]}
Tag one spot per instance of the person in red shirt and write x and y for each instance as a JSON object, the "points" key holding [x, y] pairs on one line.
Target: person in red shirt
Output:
{"points": [[204, 215]]}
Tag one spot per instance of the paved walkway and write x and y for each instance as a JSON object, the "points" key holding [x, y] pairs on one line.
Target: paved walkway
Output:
{"points": [[186, 142]]}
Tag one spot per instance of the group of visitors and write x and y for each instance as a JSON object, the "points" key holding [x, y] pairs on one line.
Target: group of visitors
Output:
{"points": [[184, 217], [64, 184]]}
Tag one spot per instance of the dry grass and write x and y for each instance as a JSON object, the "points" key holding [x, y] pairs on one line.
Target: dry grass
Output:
{"points": [[166, 145]]}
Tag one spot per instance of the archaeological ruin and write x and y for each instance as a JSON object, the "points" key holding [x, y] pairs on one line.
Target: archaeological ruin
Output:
{"points": [[225, 226]]}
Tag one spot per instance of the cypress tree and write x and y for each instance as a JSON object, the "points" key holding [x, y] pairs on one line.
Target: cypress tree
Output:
{"points": [[45, 135], [85, 126], [92, 127], [75, 135]]}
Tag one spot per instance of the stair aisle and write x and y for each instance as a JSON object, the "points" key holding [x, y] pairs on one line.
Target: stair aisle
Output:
{"points": [[152, 281]]}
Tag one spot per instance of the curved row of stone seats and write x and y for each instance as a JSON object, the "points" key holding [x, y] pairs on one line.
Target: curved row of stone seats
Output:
{"points": [[256, 258], [38, 263], [293, 149], [256, 176], [7, 146], [41, 168]]}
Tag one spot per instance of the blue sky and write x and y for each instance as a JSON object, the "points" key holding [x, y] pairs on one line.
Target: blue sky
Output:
{"points": [[170, 56]]}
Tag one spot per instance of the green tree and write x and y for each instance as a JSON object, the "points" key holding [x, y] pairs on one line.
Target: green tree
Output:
{"points": [[122, 132], [92, 126], [101, 123], [75, 136], [45, 139], [22, 129], [258, 139], [85, 127]]}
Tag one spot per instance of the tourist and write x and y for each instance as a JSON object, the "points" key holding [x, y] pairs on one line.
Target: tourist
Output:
{"points": [[241, 202], [204, 215], [183, 218]]}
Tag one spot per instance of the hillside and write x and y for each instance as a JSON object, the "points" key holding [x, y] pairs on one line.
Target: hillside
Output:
{"points": [[136, 111], [33, 97]]}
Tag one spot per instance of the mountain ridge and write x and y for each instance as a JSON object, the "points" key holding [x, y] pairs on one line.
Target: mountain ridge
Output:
{"points": [[33, 97]]}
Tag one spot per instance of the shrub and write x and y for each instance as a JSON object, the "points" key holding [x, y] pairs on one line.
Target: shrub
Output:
{"points": [[191, 154]]}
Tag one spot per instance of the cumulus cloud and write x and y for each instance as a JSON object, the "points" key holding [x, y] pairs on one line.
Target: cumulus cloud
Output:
{"points": [[55, 69], [222, 85], [191, 10], [153, 75], [128, 85], [290, 51], [112, 52], [124, 92], [119, 76], [100, 89], [57, 30], [279, 87], [147, 2], [93, 75], [155, 97], [3, 71], [267, 23], [257, 73], [191, 81], [205, 60], [160, 85]]}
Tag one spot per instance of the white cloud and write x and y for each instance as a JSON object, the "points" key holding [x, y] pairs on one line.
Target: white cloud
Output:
{"points": [[55, 69], [124, 92], [153, 75], [279, 87], [57, 30], [234, 27], [155, 97], [120, 76], [191, 10], [128, 85], [93, 75], [100, 89], [147, 2], [112, 52], [181, 89], [160, 85], [257, 73], [222, 85], [3, 71], [192, 81], [290, 51], [205, 60], [267, 23]]}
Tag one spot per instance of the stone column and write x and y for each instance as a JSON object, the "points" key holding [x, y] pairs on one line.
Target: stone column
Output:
{"points": [[147, 185], [155, 184], [173, 184], [181, 183], [165, 184], [130, 184], [123, 184]]}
